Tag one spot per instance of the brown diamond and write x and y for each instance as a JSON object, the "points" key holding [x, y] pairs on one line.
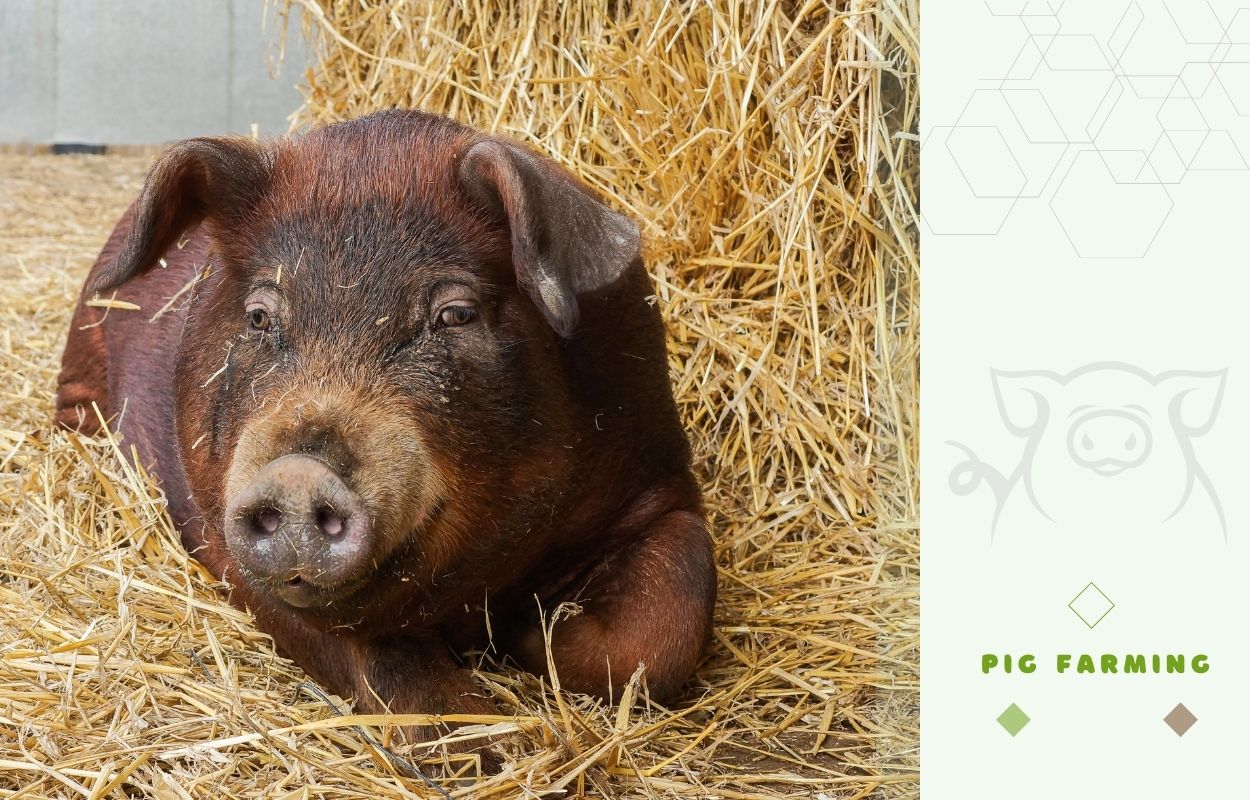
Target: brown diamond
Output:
{"points": [[1180, 719]]}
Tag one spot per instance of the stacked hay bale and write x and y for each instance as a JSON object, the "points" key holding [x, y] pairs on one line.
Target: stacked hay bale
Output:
{"points": [[768, 151]]}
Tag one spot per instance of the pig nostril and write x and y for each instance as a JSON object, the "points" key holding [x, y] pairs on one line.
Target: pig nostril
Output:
{"points": [[296, 581], [266, 521], [1087, 442], [329, 521]]}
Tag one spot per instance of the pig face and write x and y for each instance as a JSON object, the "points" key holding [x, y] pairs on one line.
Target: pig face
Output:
{"points": [[1109, 437], [371, 402]]}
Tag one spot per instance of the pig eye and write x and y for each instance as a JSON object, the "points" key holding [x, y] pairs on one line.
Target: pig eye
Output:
{"points": [[258, 318], [456, 315]]}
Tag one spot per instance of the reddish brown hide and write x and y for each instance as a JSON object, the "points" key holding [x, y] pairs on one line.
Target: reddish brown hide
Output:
{"points": [[409, 378]]}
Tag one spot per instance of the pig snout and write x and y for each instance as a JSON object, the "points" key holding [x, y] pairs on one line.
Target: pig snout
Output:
{"points": [[300, 530], [1109, 442]]}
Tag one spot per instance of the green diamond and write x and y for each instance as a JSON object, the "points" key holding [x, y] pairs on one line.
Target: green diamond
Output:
{"points": [[1013, 719]]}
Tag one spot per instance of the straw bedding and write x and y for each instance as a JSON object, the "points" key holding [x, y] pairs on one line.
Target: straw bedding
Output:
{"points": [[769, 153]]}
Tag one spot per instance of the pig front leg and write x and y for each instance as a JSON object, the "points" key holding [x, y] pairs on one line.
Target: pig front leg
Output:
{"points": [[416, 674], [650, 604], [411, 674]]}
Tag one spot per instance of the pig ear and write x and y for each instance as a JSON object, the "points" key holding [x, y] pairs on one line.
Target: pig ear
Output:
{"points": [[1023, 399], [1193, 399], [565, 242], [191, 180]]}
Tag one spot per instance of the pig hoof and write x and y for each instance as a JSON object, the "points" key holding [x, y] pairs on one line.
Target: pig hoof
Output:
{"points": [[77, 418]]}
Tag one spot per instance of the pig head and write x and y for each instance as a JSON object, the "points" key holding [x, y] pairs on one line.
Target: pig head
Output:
{"points": [[1107, 444], [1111, 436], [405, 393]]}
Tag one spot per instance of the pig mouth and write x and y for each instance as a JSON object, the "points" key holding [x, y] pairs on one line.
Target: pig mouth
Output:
{"points": [[305, 592], [303, 589], [300, 592], [1109, 467]]}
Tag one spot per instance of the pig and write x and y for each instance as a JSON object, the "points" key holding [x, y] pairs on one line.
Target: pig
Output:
{"points": [[404, 386], [1107, 443]]}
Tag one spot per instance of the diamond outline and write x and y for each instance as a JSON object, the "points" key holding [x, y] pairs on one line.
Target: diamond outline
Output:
{"points": [[1104, 597]]}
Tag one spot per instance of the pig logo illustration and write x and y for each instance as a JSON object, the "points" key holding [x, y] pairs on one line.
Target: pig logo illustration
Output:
{"points": [[1107, 440]]}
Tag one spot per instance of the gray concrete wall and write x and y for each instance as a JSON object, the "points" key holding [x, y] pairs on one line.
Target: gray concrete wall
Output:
{"points": [[124, 72]]}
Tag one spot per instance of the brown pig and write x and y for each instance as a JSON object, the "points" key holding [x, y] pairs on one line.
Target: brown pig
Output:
{"points": [[403, 389]]}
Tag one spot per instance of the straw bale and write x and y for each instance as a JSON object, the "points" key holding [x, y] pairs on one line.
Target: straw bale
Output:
{"points": [[769, 152]]}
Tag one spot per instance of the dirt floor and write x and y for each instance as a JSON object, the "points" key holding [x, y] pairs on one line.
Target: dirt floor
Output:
{"points": [[122, 672]]}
